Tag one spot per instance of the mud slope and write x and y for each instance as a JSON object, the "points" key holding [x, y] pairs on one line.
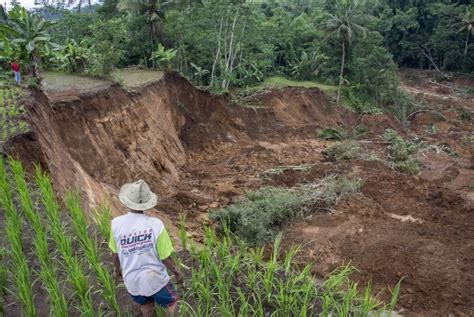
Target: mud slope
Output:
{"points": [[101, 140], [201, 152]]}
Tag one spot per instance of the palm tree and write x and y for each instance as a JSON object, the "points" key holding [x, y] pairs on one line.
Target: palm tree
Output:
{"points": [[468, 25], [153, 10], [29, 32], [343, 24]]}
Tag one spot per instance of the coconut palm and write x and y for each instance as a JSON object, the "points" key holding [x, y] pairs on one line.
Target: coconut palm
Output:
{"points": [[343, 24], [467, 25], [29, 32]]}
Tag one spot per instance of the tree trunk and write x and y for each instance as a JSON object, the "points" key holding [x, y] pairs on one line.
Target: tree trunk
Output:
{"points": [[79, 6], [342, 72], [218, 52], [467, 43], [90, 6], [35, 70], [427, 54]]}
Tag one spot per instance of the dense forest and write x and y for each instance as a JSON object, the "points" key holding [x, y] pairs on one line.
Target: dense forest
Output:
{"points": [[354, 44]]}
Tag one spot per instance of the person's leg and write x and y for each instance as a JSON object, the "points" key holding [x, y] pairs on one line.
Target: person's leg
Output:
{"points": [[147, 305], [148, 309], [172, 310], [168, 299], [19, 78], [16, 76]]}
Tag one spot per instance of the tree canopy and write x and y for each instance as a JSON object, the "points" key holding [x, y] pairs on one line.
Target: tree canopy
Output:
{"points": [[227, 44]]}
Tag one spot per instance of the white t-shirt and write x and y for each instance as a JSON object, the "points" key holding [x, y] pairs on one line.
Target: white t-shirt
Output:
{"points": [[141, 242]]}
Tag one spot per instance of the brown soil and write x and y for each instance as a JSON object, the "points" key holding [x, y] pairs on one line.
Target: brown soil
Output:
{"points": [[201, 152]]}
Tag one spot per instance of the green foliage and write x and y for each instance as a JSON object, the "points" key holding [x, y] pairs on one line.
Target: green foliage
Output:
{"points": [[337, 134], [163, 56], [260, 215], [346, 150], [28, 32], [401, 152], [107, 45], [229, 278], [12, 113], [13, 224], [91, 248], [408, 166], [255, 217], [226, 275], [340, 133], [414, 31]]}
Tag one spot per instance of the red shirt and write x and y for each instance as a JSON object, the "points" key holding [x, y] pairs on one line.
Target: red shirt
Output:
{"points": [[15, 67]]}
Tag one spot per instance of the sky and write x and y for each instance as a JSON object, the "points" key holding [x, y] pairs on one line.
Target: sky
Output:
{"points": [[26, 3]]}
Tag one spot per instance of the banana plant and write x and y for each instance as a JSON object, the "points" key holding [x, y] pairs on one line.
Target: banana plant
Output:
{"points": [[163, 56], [29, 32]]}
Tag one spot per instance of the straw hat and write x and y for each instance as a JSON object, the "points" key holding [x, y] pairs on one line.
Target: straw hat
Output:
{"points": [[138, 196]]}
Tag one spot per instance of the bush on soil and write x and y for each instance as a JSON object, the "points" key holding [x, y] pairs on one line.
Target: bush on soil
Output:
{"points": [[259, 216], [401, 152], [340, 134], [345, 150], [337, 134]]}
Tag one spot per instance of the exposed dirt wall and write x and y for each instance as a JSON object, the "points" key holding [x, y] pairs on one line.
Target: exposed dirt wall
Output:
{"points": [[98, 141]]}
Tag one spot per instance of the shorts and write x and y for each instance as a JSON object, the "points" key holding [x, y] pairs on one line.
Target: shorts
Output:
{"points": [[165, 297]]}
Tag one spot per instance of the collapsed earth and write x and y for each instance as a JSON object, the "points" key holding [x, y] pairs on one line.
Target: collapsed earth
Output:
{"points": [[222, 158]]}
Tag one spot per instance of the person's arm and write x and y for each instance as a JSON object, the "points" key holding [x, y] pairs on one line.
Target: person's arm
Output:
{"points": [[117, 270], [165, 249], [115, 257], [171, 265]]}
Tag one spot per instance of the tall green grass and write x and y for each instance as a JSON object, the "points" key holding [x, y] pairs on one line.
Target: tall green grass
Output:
{"points": [[90, 246], [230, 278], [23, 277], [48, 272], [3, 278], [76, 274]]}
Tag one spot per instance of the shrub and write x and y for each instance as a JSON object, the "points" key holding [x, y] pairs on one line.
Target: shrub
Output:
{"points": [[346, 150], [259, 215], [409, 166], [332, 134], [401, 152]]}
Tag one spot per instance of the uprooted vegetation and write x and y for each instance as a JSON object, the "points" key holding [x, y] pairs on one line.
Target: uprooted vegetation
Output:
{"points": [[259, 216], [401, 153], [339, 133], [346, 150]]}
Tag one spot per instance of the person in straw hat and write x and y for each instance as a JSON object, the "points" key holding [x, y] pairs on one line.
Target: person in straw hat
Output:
{"points": [[142, 248]]}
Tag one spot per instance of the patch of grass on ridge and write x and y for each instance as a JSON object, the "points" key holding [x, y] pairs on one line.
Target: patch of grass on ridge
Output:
{"points": [[278, 82]]}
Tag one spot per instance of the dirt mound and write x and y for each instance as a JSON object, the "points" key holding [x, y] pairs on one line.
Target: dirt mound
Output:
{"points": [[398, 227]]}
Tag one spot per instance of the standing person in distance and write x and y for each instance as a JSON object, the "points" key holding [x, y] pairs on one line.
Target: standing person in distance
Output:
{"points": [[16, 70]]}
